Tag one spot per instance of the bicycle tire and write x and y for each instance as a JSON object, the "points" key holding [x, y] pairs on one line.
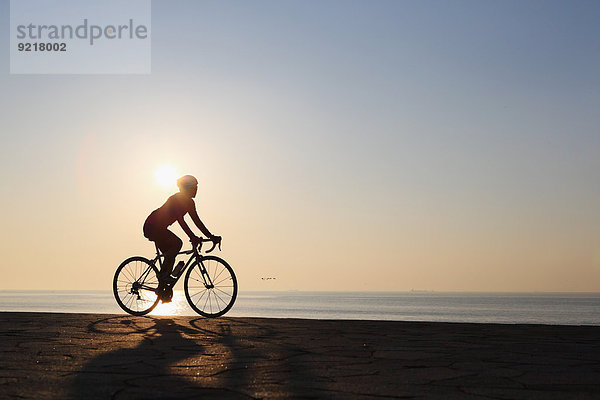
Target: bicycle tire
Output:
{"points": [[143, 299], [211, 302]]}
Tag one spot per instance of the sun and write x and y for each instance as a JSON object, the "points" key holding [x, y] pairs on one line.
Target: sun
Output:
{"points": [[166, 175]]}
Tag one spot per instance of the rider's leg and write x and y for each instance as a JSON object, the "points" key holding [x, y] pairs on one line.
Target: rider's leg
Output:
{"points": [[170, 245]]}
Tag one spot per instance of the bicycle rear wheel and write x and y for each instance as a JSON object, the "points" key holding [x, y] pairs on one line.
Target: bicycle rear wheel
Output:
{"points": [[135, 284], [213, 294]]}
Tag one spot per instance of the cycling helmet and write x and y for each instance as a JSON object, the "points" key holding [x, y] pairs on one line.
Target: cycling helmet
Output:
{"points": [[187, 182]]}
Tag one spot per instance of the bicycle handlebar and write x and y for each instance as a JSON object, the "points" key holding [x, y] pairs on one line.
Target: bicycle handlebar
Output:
{"points": [[214, 242]]}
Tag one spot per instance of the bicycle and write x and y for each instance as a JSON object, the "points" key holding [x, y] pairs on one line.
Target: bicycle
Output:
{"points": [[210, 284]]}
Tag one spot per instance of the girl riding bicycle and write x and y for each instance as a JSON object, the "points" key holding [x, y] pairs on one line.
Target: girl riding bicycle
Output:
{"points": [[157, 223]]}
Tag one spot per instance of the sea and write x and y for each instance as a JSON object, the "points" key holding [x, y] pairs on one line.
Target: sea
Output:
{"points": [[505, 308]]}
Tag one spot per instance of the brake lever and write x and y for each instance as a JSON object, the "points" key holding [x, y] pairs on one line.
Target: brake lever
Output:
{"points": [[214, 245], [212, 248], [198, 247]]}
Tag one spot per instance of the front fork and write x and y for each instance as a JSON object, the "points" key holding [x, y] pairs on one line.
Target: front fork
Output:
{"points": [[208, 283]]}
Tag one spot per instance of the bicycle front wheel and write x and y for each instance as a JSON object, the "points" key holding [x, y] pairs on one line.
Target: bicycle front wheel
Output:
{"points": [[135, 285], [210, 287]]}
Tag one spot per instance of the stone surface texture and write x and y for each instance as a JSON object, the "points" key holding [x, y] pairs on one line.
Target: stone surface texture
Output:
{"points": [[87, 356]]}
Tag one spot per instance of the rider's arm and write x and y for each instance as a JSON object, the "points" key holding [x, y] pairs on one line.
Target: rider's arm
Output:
{"points": [[186, 228], [199, 223]]}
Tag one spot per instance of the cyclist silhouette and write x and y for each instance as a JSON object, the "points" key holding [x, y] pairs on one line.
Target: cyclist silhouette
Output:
{"points": [[158, 222]]}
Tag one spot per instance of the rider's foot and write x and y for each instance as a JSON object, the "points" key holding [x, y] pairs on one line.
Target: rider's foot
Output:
{"points": [[165, 279], [169, 280], [166, 299], [165, 294]]}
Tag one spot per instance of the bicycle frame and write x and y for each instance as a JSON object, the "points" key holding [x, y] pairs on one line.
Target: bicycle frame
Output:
{"points": [[195, 255]]}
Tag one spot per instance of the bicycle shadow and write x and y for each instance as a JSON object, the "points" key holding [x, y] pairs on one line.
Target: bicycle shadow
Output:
{"points": [[142, 363], [158, 357], [263, 363]]}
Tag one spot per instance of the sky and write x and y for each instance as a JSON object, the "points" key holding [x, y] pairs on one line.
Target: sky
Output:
{"points": [[339, 145]]}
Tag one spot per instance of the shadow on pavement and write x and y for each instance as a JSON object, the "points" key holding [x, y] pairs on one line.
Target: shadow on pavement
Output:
{"points": [[159, 357]]}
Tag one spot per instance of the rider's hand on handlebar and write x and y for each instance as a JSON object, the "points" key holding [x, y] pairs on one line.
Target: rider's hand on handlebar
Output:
{"points": [[195, 240], [216, 241]]}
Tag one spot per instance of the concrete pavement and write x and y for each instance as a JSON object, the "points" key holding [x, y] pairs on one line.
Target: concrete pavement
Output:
{"points": [[57, 356]]}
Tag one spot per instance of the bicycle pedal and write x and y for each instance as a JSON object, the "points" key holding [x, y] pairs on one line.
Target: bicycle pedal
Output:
{"points": [[165, 294]]}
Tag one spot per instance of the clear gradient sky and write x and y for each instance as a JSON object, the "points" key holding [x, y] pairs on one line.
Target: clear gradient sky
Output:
{"points": [[339, 145]]}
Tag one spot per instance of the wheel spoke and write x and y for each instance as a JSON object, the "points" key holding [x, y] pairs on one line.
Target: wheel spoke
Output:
{"points": [[206, 301], [200, 298], [134, 272], [219, 274], [217, 297], [130, 297], [224, 292], [222, 280], [197, 293], [128, 275]]}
